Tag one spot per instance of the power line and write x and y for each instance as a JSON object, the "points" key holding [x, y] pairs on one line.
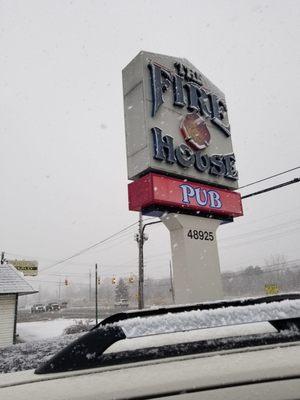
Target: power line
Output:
{"points": [[269, 177], [263, 230], [267, 268], [295, 180], [89, 247], [55, 260], [255, 221], [92, 246], [262, 238]]}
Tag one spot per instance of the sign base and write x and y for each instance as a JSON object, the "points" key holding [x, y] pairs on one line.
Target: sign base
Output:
{"points": [[196, 269]]}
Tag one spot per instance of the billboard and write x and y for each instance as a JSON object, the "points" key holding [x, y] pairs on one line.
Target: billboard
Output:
{"points": [[176, 122], [28, 268]]}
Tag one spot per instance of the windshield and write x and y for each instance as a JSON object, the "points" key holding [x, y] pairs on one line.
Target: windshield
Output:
{"points": [[149, 159]]}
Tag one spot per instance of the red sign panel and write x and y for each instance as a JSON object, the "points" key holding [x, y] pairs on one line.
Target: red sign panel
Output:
{"points": [[159, 190]]}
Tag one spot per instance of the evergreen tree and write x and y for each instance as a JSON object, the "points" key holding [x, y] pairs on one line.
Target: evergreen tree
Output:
{"points": [[121, 292]]}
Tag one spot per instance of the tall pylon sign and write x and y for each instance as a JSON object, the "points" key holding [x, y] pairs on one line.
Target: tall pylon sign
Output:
{"points": [[181, 161]]}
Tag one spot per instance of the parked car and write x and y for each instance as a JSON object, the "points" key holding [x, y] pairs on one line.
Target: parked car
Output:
{"points": [[53, 307], [229, 350], [37, 308], [122, 303]]}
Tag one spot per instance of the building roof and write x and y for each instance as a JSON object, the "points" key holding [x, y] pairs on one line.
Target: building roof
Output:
{"points": [[11, 281]]}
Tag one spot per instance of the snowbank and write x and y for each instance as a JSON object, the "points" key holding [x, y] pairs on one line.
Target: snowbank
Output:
{"points": [[36, 351], [31, 355]]}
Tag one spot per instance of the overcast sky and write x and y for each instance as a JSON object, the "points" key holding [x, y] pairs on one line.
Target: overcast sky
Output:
{"points": [[62, 152]]}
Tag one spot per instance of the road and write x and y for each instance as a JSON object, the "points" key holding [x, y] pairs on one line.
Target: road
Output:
{"points": [[69, 313]]}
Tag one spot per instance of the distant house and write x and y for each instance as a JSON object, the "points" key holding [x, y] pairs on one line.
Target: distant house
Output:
{"points": [[12, 285]]}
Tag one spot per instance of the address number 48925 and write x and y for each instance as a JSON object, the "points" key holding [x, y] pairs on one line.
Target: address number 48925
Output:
{"points": [[200, 235]]}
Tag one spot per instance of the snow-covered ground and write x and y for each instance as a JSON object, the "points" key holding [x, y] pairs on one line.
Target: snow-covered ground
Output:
{"points": [[31, 331], [42, 340], [30, 355], [39, 330]]}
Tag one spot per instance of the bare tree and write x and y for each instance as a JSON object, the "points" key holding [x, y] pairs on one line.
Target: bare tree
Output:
{"points": [[276, 261]]}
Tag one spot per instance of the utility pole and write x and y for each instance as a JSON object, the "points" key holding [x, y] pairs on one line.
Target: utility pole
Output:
{"points": [[171, 282], [90, 286], [2, 257], [59, 288], [140, 237], [96, 292]]}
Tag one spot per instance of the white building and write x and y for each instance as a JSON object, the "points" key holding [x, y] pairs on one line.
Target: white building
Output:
{"points": [[12, 285]]}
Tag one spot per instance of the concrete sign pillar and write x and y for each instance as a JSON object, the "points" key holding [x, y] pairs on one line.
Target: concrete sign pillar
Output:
{"points": [[196, 270]]}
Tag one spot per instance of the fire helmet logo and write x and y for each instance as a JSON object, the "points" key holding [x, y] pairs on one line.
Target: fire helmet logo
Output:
{"points": [[195, 132]]}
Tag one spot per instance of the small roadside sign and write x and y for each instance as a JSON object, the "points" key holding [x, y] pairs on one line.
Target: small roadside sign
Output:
{"points": [[28, 268]]}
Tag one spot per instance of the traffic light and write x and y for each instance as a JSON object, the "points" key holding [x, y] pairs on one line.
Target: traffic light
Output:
{"points": [[113, 280], [130, 279], [98, 281], [66, 282]]}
